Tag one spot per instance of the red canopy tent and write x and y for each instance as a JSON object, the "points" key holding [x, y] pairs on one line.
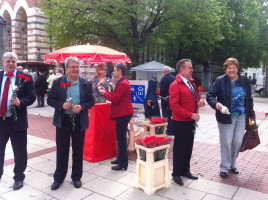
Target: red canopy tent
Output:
{"points": [[89, 54]]}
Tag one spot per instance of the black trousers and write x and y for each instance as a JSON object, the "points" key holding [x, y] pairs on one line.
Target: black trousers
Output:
{"points": [[183, 146], [40, 100], [121, 124], [166, 112], [63, 146], [19, 146]]}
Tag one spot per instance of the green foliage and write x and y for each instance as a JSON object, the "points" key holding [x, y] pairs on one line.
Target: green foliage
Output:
{"points": [[201, 30]]}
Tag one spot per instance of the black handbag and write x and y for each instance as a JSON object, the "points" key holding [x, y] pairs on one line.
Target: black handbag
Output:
{"points": [[251, 138]]}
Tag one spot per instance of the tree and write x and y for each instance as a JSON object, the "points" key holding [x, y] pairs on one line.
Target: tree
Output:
{"points": [[121, 24]]}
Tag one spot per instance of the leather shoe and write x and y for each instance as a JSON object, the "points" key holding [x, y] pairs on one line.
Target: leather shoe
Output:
{"points": [[77, 183], [190, 176], [178, 180], [114, 162], [55, 185], [17, 185], [234, 170], [223, 174], [118, 167]]}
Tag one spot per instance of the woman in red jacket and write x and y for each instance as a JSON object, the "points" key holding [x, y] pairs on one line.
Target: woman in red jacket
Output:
{"points": [[121, 111]]}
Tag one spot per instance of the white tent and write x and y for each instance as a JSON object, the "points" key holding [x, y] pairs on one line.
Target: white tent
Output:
{"points": [[150, 70]]}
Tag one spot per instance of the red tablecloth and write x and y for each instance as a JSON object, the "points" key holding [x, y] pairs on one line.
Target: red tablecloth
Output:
{"points": [[100, 139]]}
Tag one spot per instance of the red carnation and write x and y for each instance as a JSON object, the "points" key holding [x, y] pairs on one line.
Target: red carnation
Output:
{"points": [[200, 88], [68, 84], [10, 74], [21, 76], [266, 114], [27, 79], [62, 85]]}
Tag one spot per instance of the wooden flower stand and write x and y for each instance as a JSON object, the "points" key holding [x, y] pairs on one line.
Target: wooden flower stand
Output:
{"points": [[133, 135], [154, 129], [152, 168]]}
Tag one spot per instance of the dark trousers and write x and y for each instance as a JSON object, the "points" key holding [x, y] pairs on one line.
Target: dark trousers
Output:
{"points": [[166, 112], [121, 124], [19, 146], [40, 100], [63, 146], [183, 146]]}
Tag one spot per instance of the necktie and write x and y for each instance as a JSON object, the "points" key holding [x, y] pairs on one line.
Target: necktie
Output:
{"points": [[3, 109], [192, 89]]}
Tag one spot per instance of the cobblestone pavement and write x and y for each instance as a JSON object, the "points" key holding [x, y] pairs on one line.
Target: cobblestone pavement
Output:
{"points": [[100, 182]]}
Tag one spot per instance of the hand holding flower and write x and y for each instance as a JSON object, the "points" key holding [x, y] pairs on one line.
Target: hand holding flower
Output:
{"points": [[76, 109], [67, 105], [15, 101], [201, 103], [102, 91]]}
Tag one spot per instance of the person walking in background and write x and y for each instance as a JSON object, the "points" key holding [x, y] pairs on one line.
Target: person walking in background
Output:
{"points": [[59, 73], [121, 111], [34, 75], [71, 96], [230, 96], [184, 102], [14, 126], [50, 79], [165, 82], [151, 106], [20, 68], [40, 89]]}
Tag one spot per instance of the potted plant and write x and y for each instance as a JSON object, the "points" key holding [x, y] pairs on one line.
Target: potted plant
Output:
{"points": [[152, 163]]}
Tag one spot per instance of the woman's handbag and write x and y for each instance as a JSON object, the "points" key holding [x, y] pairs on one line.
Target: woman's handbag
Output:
{"points": [[251, 138]]}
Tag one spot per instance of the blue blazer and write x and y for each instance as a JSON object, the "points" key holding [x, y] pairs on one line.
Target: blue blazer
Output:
{"points": [[26, 95], [57, 97]]}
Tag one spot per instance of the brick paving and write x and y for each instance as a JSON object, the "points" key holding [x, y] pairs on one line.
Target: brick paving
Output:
{"points": [[253, 165]]}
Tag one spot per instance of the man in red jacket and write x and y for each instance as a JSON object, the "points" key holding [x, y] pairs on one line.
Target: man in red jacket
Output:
{"points": [[184, 102]]}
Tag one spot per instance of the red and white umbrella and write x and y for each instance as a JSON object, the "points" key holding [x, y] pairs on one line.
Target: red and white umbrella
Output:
{"points": [[89, 54]]}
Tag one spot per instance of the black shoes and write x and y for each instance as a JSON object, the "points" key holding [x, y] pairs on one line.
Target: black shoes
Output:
{"points": [[77, 183], [114, 162], [118, 167], [190, 176], [55, 185], [223, 174], [17, 185], [234, 170], [178, 180]]}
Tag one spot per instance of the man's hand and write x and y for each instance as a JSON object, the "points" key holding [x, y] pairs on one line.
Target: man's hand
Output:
{"points": [[201, 103], [15, 101], [195, 117], [76, 108], [67, 106]]}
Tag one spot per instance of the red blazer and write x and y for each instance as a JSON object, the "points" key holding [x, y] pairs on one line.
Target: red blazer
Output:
{"points": [[182, 103], [120, 99]]}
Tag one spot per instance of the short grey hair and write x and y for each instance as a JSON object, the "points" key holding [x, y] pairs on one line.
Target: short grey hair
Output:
{"points": [[122, 67], [167, 69], [181, 64], [9, 55], [71, 59]]}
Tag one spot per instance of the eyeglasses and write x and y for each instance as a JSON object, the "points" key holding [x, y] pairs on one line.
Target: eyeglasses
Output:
{"points": [[74, 67]]}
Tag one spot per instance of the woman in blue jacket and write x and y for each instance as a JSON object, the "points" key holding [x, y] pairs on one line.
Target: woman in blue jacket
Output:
{"points": [[230, 96]]}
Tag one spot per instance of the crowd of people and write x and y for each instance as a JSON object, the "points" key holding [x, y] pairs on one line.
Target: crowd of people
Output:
{"points": [[72, 96]]}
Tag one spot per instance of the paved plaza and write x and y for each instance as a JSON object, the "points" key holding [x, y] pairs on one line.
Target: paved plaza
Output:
{"points": [[102, 183]]}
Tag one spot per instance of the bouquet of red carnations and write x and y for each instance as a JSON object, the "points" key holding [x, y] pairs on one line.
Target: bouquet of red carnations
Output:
{"points": [[151, 142], [158, 120]]}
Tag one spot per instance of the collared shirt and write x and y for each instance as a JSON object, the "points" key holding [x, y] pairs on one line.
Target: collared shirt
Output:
{"points": [[185, 81], [74, 93], [10, 91]]}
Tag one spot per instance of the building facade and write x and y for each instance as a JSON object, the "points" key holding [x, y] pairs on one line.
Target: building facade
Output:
{"points": [[25, 23]]}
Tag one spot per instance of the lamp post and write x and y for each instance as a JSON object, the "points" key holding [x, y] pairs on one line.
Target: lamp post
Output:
{"points": [[2, 39]]}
